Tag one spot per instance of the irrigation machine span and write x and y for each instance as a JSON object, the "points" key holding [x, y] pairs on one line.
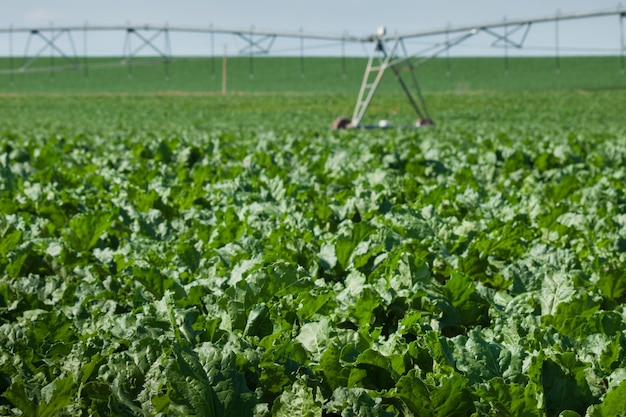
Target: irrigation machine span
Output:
{"points": [[387, 51]]}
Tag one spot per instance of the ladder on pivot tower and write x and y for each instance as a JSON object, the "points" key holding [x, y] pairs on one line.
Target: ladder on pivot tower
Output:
{"points": [[380, 59], [371, 79]]}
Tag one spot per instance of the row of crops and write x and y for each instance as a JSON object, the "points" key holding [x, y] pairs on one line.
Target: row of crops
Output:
{"points": [[465, 269]]}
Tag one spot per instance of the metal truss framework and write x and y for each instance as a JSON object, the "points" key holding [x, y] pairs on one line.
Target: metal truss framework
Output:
{"points": [[388, 52], [256, 42], [147, 38]]}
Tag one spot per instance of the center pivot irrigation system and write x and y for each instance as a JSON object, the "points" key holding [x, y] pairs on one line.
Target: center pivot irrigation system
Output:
{"points": [[388, 52]]}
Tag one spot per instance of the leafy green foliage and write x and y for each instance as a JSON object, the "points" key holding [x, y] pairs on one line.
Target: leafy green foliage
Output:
{"points": [[204, 269]]}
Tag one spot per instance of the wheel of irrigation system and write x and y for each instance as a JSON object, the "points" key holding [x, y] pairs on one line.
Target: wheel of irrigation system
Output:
{"points": [[423, 121], [342, 123]]}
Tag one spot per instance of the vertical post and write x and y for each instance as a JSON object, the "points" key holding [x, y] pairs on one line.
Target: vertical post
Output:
{"points": [[343, 56], [212, 52], [448, 71], [506, 48], [85, 64], [623, 45], [168, 52], [128, 51], [129, 57], [224, 69], [556, 43], [301, 55], [51, 51], [26, 50], [251, 52], [11, 54]]}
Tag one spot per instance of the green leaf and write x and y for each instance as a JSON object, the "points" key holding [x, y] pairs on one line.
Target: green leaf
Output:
{"points": [[332, 367], [613, 404], [156, 282], [86, 229], [574, 318], [510, 400], [299, 400], [441, 349], [557, 288], [229, 383], [18, 396], [470, 308], [259, 322], [354, 402], [316, 301], [345, 245], [192, 392], [612, 283], [9, 242], [481, 360], [565, 386], [378, 372], [314, 337], [569, 413], [56, 395], [450, 398]]}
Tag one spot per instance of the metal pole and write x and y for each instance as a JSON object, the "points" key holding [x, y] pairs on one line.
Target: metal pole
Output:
{"points": [[343, 56], [212, 52], [621, 31], [128, 51], [75, 60], [301, 55], [168, 53], [11, 54], [251, 52], [224, 69], [506, 48], [448, 71], [85, 64], [51, 52], [556, 42], [26, 50], [416, 85]]}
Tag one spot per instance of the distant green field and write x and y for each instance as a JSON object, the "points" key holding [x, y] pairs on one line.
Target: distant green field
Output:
{"points": [[310, 75], [92, 114]]}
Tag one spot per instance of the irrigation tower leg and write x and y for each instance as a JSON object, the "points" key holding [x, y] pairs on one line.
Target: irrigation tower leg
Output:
{"points": [[369, 86]]}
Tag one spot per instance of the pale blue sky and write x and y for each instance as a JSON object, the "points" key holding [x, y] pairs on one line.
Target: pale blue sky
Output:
{"points": [[321, 16]]}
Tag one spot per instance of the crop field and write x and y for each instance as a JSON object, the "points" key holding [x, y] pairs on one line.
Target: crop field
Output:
{"points": [[309, 75], [199, 254]]}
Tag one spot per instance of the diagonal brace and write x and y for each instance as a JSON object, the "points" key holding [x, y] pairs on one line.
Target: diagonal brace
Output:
{"points": [[49, 42], [506, 40], [256, 46], [146, 42]]}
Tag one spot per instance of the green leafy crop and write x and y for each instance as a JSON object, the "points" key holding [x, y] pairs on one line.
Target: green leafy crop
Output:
{"points": [[469, 269]]}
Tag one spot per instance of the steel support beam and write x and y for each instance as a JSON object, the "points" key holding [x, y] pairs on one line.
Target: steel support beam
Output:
{"points": [[388, 59], [505, 39], [50, 43], [482, 27], [259, 46], [147, 41]]}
